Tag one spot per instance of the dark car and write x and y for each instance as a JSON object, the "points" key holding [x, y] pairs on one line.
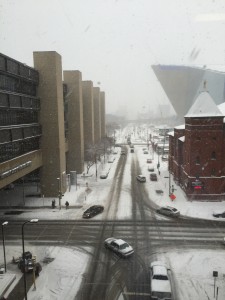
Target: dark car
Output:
{"points": [[141, 178], [219, 215], [93, 211], [153, 177], [119, 246]]}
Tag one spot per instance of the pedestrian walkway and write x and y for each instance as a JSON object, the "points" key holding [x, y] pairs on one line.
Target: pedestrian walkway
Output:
{"points": [[18, 293], [6, 280]]}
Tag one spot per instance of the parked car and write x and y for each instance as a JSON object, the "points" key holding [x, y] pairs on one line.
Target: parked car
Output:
{"points": [[153, 177], [168, 211], [151, 168], [159, 281], [132, 150], [141, 178], [149, 161], [165, 157], [93, 211], [119, 246], [104, 175], [146, 152], [111, 159], [219, 215]]}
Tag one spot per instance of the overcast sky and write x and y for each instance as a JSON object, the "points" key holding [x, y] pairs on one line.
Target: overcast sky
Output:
{"points": [[115, 42]]}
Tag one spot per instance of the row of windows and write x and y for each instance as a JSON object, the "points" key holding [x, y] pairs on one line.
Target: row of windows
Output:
{"points": [[17, 85], [12, 66], [17, 101], [15, 134], [14, 117], [12, 150], [213, 157], [198, 138]]}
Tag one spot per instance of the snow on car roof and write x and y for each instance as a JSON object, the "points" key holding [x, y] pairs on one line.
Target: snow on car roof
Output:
{"points": [[159, 270], [120, 241]]}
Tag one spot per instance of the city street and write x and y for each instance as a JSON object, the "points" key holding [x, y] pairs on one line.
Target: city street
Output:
{"points": [[129, 214]]}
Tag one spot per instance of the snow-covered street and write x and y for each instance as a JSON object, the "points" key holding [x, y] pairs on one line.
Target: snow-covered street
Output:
{"points": [[192, 269]]}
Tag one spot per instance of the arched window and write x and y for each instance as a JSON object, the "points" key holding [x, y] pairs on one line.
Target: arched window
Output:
{"points": [[213, 155], [197, 160]]}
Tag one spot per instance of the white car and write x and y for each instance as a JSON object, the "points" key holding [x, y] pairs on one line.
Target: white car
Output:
{"points": [[151, 168], [168, 211], [159, 281], [120, 247], [141, 178]]}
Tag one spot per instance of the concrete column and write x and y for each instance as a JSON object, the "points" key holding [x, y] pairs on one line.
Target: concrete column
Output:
{"points": [[75, 155], [50, 91], [102, 112], [88, 115], [97, 114]]}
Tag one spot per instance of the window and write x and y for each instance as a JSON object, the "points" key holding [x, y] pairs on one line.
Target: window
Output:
{"points": [[197, 160], [213, 155]]}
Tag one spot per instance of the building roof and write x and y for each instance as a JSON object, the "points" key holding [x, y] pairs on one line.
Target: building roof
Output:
{"points": [[204, 106], [182, 84], [180, 126], [182, 139]]}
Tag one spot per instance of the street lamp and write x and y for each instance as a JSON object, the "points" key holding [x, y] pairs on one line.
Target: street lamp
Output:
{"points": [[169, 183], [3, 241], [24, 274], [59, 192]]}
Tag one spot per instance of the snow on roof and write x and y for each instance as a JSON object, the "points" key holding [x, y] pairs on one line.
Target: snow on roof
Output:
{"points": [[180, 126], [204, 106], [182, 138], [171, 133], [222, 109]]}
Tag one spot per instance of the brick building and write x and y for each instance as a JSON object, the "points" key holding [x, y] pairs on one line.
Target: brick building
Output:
{"points": [[197, 151]]}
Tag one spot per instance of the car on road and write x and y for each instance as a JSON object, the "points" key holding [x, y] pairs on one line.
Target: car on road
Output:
{"points": [[111, 159], [168, 211], [159, 281], [149, 161], [93, 211], [153, 177], [123, 152], [103, 175], [165, 157], [119, 246], [146, 152], [219, 215], [151, 168], [141, 178]]}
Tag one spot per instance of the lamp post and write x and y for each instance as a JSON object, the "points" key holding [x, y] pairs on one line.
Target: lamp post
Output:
{"points": [[59, 192], [23, 255], [169, 183], [3, 241]]}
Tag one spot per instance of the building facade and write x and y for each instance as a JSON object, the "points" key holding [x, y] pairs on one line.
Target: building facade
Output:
{"points": [[46, 117], [197, 151]]}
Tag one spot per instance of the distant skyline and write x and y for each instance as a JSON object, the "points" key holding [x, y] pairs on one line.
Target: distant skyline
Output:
{"points": [[115, 42]]}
